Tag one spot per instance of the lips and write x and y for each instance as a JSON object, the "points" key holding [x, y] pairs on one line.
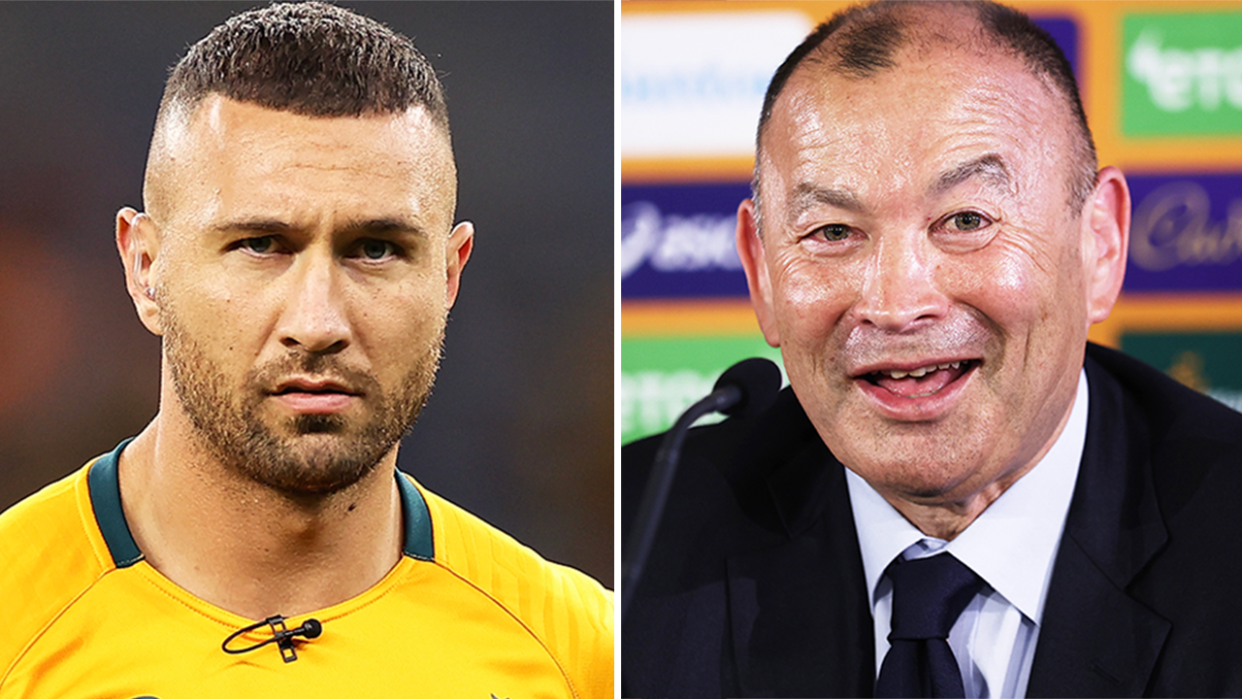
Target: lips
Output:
{"points": [[308, 385], [309, 395], [923, 390], [921, 381]]}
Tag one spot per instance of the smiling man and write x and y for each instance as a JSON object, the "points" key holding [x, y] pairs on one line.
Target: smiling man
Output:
{"points": [[298, 256], [958, 496]]}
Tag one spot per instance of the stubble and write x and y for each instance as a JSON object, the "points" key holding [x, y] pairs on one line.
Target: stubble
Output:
{"points": [[304, 454]]}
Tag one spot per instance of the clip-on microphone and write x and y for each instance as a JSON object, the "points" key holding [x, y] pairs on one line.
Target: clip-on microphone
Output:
{"points": [[281, 636]]}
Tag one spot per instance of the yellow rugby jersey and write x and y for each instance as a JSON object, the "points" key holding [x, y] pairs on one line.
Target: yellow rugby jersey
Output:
{"points": [[466, 613]]}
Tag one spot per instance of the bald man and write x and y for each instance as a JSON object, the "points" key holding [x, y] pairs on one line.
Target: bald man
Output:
{"points": [[958, 496]]}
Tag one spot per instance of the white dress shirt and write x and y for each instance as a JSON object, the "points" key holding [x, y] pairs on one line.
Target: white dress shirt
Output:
{"points": [[1011, 545]]}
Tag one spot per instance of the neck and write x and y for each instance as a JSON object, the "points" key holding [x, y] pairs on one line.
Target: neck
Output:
{"points": [[245, 547], [946, 516], [945, 520]]}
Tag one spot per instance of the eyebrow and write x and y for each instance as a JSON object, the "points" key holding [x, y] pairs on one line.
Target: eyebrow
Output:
{"points": [[268, 226], [376, 226], [384, 226], [808, 196], [989, 167]]}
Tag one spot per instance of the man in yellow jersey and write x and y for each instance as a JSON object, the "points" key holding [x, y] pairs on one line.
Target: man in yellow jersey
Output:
{"points": [[298, 256]]}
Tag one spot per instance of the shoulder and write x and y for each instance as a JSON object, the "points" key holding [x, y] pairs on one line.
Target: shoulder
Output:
{"points": [[783, 422], [743, 485], [51, 556], [730, 459], [757, 511], [1163, 410], [569, 612], [1187, 444], [1172, 459]]}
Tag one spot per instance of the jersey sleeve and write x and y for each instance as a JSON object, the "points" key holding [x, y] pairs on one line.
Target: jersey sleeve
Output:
{"points": [[51, 556], [570, 613]]}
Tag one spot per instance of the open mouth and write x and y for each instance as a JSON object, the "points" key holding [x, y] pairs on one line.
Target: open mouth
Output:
{"points": [[922, 381]]}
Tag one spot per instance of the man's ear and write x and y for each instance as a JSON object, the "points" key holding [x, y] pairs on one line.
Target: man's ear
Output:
{"points": [[1106, 241], [460, 244], [750, 250], [137, 242]]}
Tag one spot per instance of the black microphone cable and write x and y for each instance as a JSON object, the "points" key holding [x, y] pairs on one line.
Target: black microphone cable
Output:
{"points": [[281, 636], [744, 389]]}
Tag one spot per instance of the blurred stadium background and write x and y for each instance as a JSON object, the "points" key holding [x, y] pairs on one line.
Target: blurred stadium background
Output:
{"points": [[519, 430]]}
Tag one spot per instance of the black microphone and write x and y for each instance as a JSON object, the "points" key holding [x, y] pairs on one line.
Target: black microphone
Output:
{"points": [[743, 390], [281, 636]]}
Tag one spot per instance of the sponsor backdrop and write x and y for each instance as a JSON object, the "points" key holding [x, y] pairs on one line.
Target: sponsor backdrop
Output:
{"points": [[1162, 86]]}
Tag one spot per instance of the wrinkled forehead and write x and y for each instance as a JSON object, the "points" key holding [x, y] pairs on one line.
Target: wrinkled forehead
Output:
{"points": [[933, 95], [894, 39], [913, 134]]}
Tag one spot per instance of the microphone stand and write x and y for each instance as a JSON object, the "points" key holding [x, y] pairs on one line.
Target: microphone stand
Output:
{"points": [[746, 388], [659, 483]]}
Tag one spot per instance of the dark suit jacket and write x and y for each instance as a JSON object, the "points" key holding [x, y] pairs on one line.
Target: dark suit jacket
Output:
{"points": [[755, 586]]}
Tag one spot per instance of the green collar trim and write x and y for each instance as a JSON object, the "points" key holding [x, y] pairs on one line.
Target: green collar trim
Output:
{"points": [[105, 492], [418, 539]]}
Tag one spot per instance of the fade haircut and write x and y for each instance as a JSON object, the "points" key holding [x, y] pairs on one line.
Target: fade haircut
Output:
{"points": [[312, 59], [866, 38]]}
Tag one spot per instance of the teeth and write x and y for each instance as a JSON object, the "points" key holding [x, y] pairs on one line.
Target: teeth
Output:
{"points": [[921, 371]]}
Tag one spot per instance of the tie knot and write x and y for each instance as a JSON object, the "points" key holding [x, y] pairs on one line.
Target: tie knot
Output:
{"points": [[929, 594]]}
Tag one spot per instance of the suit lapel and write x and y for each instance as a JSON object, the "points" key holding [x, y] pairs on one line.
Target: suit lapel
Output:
{"points": [[1095, 639], [799, 617]]}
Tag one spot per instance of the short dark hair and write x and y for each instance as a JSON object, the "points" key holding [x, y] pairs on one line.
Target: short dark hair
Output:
{"points": [[866, 37], [312, 59]]}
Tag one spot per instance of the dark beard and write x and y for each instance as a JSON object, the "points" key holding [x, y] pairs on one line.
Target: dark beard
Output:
{"points": [[307, 454]]}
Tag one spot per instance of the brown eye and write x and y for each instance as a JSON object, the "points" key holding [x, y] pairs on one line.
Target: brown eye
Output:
{"points": [[967, 221], [833, 232]]}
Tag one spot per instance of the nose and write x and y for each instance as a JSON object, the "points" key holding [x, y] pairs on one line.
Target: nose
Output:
{"points": [[314, 316], [899, 288]]}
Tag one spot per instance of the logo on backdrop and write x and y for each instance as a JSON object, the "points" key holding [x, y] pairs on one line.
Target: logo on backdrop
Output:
{"points": [[1186, 234], [677, 241], [692, 84], [1183, 74]]}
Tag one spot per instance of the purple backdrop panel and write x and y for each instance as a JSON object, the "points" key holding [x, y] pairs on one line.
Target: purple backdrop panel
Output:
{"points": [[677, 241], [1186, 234], [1064, 31]]}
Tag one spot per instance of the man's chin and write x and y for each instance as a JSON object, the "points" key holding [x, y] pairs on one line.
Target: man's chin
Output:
{"points": [[922, 481], [319, 464], [314, 474], [314, 424]]}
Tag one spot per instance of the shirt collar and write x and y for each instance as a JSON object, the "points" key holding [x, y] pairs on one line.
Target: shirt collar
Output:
{"points": [[1011, 545], [105, 492]]}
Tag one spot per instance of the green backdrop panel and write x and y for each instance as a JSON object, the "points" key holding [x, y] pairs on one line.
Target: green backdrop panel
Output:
{"points": [[661, 377], [1182, 74], [1208, 362]]}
